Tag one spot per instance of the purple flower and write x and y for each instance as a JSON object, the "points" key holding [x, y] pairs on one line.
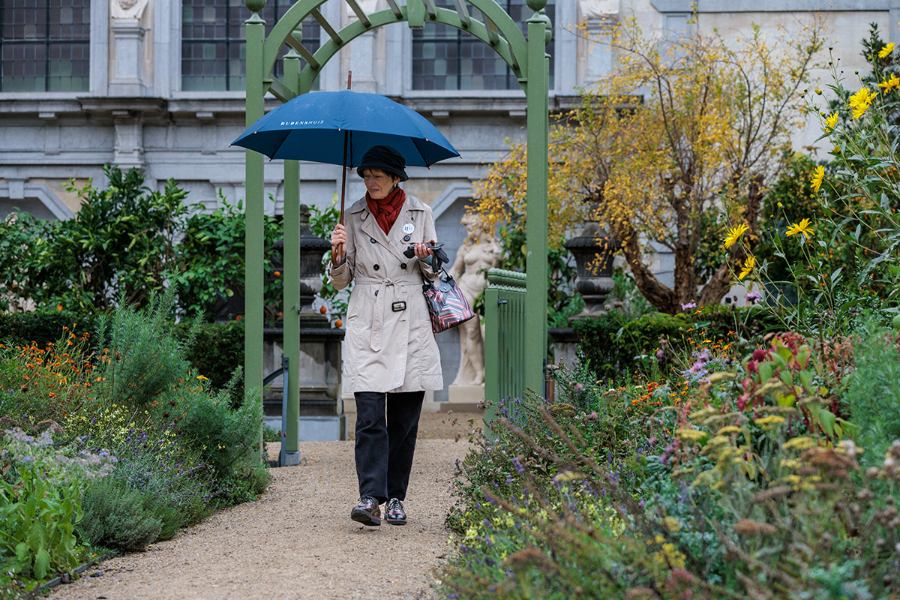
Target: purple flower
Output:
{"points": [[752, 298], [578, 387], [688, 306], [518, 465]]}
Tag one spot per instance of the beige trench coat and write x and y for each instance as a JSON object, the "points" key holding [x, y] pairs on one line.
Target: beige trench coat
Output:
{"points": [[388, 348]]}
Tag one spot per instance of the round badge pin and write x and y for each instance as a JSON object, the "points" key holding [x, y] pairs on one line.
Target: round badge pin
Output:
{"points": [[409, 228]]}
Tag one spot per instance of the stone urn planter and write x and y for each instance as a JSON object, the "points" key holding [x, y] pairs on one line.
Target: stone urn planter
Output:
{"points": [[593, 250], [312, 249]]}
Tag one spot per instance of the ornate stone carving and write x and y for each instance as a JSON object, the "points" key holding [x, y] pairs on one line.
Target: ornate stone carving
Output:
{"points": [[478, 253], [127, 9]]}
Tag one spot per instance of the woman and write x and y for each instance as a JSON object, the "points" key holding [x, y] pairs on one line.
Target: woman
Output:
{"points": [[392, 357]]}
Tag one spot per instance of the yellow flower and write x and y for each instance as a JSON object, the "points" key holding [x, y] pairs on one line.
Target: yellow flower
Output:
{"points": [[831, 122], [885, 52], [888, 84], [802, 227], [734, 234], [691, 435], [202, 378], [748, 266], [818, 178], [771, 419], [860, 102]]}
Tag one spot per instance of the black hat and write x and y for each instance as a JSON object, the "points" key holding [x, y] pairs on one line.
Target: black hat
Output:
{"points": [[385, 158]]}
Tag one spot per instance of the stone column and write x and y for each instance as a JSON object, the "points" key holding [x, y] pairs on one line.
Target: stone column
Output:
{"points": [[128, 37], [362, 53], [129, 148]]}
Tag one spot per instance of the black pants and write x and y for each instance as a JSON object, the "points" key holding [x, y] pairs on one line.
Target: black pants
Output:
{"points": [[384, 449]]}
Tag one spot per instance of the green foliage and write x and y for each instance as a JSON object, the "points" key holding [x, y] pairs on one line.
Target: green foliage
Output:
{"points": [[321, 223], [873, 393], [211, 257], [18, 233], [42, 327], [631, 493], [119, 245], [215, 350], [141, 359], [563, 301], [227, 440], [613, 344], [117, 516], [38, 519]]}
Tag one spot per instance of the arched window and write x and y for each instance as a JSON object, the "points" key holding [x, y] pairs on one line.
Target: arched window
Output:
{"points": [[212, 42], [45, 45], [446, 58]]}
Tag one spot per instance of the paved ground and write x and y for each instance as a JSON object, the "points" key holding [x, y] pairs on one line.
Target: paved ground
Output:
{"points": [[297, 541]]}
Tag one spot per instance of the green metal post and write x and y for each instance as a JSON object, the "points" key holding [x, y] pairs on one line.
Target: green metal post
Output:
{"points": [[292, 280], [254, 214], [536, 210], [491, 353]]}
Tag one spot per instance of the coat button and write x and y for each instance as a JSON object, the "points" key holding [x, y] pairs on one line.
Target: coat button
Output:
{"points": [[376, 267], [372, 240], [405, 238], [403, 266]]}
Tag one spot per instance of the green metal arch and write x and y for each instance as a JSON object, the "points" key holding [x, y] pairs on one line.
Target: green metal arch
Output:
{"points": [[510, 45]]}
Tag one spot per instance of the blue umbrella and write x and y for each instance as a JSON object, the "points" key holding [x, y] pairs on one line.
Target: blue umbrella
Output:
{"points": [[339, 127], [312, 127]]}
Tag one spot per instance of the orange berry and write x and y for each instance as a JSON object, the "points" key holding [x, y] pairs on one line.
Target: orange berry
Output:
{"points": [[59, 307], [280, 315], [277, 273], [239, 317], [323, 310], [338, 323]]}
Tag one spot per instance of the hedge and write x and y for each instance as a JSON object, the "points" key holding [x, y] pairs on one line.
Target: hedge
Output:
{"points": [[216, 351], [609, 344]]}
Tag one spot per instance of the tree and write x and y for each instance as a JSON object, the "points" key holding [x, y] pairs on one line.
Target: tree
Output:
{"points": [[676, 145]]}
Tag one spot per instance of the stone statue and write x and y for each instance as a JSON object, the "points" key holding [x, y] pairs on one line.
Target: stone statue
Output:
{"points": [[478, 253], [599, 9], [127, 9]]}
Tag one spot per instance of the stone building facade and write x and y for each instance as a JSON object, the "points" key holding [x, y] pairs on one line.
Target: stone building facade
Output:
{"points": [[158, 84]]}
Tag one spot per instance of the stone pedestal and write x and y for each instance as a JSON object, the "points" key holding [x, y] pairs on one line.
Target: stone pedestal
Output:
{"points": [[128, 37], [319, 373], [565, 348], [464, 398]]}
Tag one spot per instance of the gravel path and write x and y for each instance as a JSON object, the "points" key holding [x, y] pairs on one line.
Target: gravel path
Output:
{"points": [[298, 541]]}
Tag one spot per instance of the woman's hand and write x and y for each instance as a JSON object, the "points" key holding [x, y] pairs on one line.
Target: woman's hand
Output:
{"points": [[422, 251], [338, 244]]}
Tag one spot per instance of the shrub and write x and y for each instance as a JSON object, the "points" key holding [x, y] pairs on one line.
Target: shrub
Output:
{"points": [[227, 440], [141, 358], [118, 245], [117, 516], [613, 346], [215, 350], [41, 328]]}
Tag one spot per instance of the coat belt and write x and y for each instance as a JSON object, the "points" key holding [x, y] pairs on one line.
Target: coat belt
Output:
{"points": [[380, 304]]}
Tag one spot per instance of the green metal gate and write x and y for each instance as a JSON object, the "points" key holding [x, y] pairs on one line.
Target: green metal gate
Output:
{"points": [[504, 338]]}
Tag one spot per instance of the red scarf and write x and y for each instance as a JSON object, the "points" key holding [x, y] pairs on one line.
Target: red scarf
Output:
{"points": [[387, 209]]}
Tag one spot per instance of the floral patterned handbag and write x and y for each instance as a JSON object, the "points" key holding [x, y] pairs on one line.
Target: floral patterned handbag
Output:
{"points": [[447, 305]]}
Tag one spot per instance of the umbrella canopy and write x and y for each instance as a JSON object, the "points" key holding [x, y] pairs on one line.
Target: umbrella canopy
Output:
{"points": [[338, 127]]}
